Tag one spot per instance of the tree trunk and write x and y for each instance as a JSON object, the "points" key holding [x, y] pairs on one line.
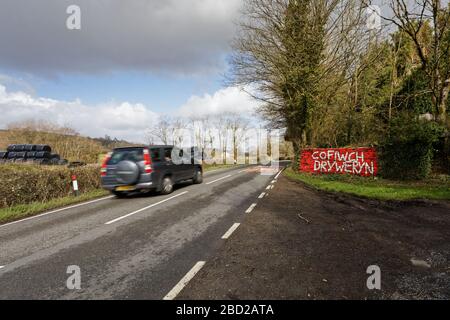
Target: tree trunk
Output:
{"points": [[442, 107], [297, 150]]}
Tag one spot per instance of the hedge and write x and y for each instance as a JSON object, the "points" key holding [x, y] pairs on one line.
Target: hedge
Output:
{"points": [[23, 184], [407, 149]]}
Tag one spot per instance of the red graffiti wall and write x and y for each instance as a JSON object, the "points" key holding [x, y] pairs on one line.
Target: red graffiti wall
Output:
{"points": [[354, 161]]}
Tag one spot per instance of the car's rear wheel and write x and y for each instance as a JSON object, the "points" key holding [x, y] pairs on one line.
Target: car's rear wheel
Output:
{"points": [[198, 176], [166, 185]]}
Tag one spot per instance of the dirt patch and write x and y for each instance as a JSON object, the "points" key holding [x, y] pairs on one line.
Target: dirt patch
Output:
{"points": [[303, 244]]}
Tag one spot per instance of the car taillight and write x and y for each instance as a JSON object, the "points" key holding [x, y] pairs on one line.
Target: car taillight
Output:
{"points": [[147, 162], [105, 164]]}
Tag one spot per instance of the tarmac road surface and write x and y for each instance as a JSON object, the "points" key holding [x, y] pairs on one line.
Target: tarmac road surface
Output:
{"points": [[134, 248]]}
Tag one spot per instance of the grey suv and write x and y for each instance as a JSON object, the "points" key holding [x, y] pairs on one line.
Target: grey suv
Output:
{"points": [[127, 170]]}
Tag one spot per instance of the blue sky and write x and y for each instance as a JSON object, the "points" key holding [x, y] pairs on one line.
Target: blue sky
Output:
{"points": [[128, 63], [163, 93]]}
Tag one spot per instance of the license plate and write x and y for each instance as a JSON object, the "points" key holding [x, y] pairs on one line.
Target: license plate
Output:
{"points": [[125, 188]]}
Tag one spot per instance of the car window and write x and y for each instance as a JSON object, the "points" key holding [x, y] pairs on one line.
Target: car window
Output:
{"points": [[168, 154], [156, 155], [135, 155]]}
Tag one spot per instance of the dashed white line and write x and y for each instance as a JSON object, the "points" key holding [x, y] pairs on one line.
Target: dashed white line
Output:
{"points": [[55, 211], [276, 177], [230, 231], [250, 209], [1, 267], [143, 209], [211, 182], [274, 181], [183, 282], [270, 186], [262, 195]]}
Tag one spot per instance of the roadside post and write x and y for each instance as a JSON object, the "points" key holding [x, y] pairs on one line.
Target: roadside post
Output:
{"points": [[75, 185]]}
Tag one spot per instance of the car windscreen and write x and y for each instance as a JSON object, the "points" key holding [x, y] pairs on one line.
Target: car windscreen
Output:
{"points": [[135, 155]]}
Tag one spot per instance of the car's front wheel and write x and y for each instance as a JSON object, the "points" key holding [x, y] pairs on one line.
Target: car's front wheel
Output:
{"points": [[166, 185]]}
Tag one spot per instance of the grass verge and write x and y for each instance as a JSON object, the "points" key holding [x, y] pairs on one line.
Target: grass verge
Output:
{"points": [[433, 189], [26, 210]]}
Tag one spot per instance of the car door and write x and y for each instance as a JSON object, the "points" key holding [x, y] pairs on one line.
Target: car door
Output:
{"points": [[171, 168], [158, 164], [185, 167]]}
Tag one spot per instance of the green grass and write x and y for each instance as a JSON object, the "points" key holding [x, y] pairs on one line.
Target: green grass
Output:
{"points": [[26, 210], [437, 188]]}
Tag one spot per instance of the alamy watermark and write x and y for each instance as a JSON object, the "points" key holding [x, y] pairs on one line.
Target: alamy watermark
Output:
{"points": [[74, 280], [374, 280], [373, 13], [73, 22]]}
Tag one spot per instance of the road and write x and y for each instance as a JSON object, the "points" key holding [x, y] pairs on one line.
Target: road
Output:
{"points": [[135, 248]]}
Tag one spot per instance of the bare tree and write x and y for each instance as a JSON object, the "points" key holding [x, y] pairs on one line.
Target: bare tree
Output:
{"points": [[237, 125], [160, 132], [290, 50]]}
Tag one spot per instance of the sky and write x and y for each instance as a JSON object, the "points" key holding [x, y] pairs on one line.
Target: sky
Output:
{"points": [[131, 62]]}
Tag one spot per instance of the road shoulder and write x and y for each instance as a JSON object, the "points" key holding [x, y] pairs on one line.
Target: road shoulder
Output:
{"points": [[303, 244]]}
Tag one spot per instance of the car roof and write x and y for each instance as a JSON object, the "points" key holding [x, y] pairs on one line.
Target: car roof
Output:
{"points": [[150, 147]]}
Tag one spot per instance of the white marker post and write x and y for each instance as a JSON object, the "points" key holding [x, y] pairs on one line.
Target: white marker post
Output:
{"points": [[75, 185]]}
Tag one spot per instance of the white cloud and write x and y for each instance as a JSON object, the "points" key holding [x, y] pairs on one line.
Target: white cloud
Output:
{"points": [[230, 99], [122, 120]]}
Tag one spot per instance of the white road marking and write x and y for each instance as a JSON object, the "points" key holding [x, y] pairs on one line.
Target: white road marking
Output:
{"points": [[269, 187], [274, 181], [183, 282], [55, 211], [262, 195], [250, 209], [242, 171], [1, 267], [219, 179], [230, 231], [276, 177], [143, 209]]}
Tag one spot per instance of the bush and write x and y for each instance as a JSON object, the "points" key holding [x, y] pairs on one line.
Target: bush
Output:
{"points": [[23, 184], [407, 149]]}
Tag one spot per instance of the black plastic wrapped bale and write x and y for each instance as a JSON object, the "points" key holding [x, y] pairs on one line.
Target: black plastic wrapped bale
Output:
{"points": [[20, 160], [11, 147], [55, 156], [43, 147], [43, 155], [19, 148], [42, 161], [30, 147], [12, 155], [31, 154], [3, 154], [20, 155]]}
